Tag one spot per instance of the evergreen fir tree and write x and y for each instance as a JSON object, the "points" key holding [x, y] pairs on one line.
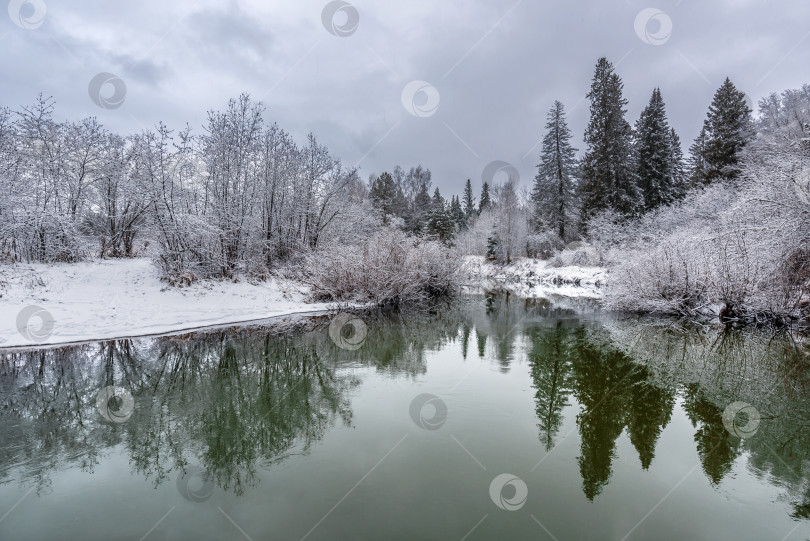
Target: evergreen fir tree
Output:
{"points": [[469, 200], [440, 224], [678, 168], [728, 129], [697, 163], [493, 245], [655, 170], [416, 221], [485, 202], [554, 194], [383, 194], [607, 181], [457, 213]]}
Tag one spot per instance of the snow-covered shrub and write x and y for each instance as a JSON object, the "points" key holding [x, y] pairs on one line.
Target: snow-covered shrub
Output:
{"points": [[390, 268], [543, 245], [40, 238], [582, 256], [670, 277], [574, 245], [189, 250]]}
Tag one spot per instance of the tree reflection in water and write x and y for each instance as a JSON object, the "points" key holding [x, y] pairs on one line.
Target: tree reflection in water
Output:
{"points": [[238, 400]]}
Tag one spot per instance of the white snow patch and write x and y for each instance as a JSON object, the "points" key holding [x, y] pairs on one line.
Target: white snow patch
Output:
{"points": [[123, 298], [533, 278]]}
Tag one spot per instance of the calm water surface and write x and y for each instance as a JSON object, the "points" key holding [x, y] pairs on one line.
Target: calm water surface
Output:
{"points": [[493, 418]]}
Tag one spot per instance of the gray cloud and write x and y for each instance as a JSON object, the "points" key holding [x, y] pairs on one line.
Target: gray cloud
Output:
{"points": [[498, 66]]}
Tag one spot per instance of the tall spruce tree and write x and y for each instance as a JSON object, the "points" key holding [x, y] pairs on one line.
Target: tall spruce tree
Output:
{"points": [[457, 213], [485, 203], [440, 224], [383, 195], [653, 145], [493, 244], [678, 166], [729, 128], [608, 181], [420, 211], [697, 162], [469, 200], [554, 194]]}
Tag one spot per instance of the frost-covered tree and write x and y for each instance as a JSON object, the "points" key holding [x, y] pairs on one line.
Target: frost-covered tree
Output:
{"points": [[119, 202], [414, 180], [511, 220], [608, 182], [555, 190], [228, 147]]}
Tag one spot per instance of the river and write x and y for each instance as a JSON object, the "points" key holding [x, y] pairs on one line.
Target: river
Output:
{"points": [[491, 417]]}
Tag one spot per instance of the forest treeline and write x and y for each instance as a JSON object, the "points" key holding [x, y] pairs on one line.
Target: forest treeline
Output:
{"points": [[724, 230]]}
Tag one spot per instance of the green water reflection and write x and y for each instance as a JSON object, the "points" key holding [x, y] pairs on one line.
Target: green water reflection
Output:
{"points": [[285, 425]]}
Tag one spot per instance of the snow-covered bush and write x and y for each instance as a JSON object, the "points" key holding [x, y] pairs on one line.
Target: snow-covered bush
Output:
{"points": [[189, 251], [390, 268], [543, 245], [578, 255], [671, 276], [40, 238]]}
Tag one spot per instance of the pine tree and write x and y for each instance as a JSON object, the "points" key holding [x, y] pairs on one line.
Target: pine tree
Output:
{"points": [[485, 202], [607, 181], [469, 200], [728, 129], [554, 194], [655, 170]]}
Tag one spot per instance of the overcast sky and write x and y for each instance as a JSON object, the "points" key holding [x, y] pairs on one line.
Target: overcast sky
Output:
{"points": [[494, 67]]}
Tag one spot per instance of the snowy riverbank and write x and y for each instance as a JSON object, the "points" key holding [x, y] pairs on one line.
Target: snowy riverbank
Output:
{"points": [[533, 278], [107, 299], [124, 298]]}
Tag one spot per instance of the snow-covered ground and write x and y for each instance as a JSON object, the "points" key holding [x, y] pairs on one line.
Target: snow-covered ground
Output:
{"points": [[107, 299], [532, 278], [123, 298]]}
